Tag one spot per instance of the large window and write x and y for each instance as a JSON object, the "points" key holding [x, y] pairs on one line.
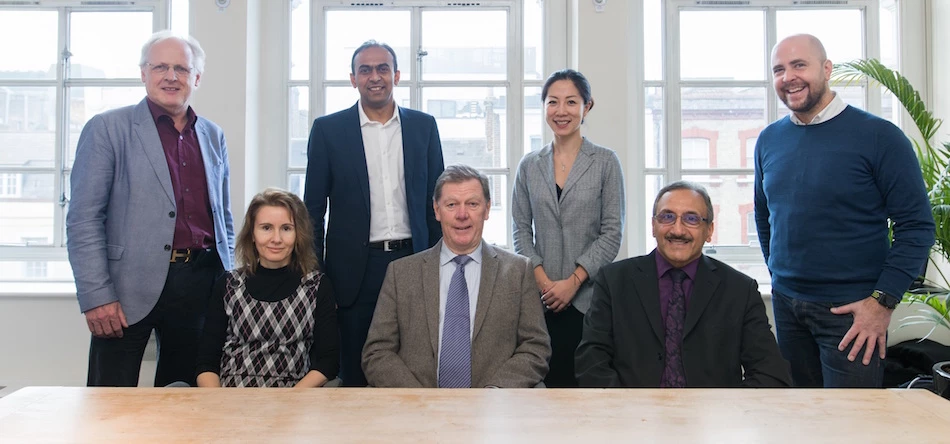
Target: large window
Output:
{"points": [[707, 94], [476, 67], [61, 63]]}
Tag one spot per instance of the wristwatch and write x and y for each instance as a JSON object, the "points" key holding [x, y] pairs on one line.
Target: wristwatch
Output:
{"points": [[888, 301]]}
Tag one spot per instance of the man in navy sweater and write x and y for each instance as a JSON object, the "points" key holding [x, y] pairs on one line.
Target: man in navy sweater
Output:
{"points": [[827, 179]]}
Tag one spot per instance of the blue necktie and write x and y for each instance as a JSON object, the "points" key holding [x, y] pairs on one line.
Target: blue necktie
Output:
{"points": [[674, 375], [455, 360]]}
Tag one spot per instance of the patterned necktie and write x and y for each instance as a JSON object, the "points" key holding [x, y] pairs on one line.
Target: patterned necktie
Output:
{"points": [[674, 375], [455, 360]]}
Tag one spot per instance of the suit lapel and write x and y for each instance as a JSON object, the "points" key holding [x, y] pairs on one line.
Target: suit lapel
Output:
{"points": [[582, 163], [151, 143], [486, 286], [430, 292], [353, 135], [546, 172], [704, 287], [647, 285]]}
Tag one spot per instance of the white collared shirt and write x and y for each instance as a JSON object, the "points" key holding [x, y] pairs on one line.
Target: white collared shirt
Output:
{"points": [[835, 107], [382, 144], [473, 274]]}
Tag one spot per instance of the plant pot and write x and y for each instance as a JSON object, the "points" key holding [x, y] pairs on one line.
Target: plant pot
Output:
{"points": [[942, 379]]}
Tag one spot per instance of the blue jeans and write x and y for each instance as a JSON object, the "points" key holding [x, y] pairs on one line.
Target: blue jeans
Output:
{"points": [[808, 334]]}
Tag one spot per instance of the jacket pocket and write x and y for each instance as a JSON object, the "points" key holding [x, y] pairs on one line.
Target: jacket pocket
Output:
{"points": [[114, 252]]}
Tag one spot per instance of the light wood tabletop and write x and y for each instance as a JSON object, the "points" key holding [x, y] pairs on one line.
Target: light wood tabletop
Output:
{"points": [[74, 414]]}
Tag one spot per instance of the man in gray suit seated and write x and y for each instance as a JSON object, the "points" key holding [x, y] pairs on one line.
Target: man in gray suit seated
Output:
{"points": [[462, 313], [149, 225]]}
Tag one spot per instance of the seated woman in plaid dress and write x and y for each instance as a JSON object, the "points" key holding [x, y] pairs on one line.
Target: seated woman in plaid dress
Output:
{"points": [[272, 321]]}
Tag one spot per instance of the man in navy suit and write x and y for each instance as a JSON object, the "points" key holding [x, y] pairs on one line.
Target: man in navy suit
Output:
{"points": [[149, 225], [375, 166]]}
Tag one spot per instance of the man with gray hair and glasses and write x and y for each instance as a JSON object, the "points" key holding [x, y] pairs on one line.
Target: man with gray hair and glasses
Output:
{"points": [[149, 226], [676, 318]]}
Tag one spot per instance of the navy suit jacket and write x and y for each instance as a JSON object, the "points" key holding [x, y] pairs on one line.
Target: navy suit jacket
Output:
{"points": [[727, 341], [337, 176]]}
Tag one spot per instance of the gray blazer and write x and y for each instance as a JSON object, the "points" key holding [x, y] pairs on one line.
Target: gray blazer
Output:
{"points": [[510, 343], [121, 220], [584, 228]]}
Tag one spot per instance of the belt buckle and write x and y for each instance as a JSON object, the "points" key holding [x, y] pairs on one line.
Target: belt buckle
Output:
{"points": [[176, 254], [386, 246]]}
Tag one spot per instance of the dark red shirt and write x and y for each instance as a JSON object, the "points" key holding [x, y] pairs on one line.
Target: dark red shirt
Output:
{"points": [[666, 282], [194, 226]]}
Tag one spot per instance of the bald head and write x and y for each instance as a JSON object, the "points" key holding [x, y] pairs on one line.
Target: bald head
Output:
{"points": [[803, 42]]}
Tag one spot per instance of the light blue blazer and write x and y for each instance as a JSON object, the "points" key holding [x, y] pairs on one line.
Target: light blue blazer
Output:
{"points": [[121, 218], [583, 228]]}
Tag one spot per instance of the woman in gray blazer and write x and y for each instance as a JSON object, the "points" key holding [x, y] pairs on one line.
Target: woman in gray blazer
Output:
{"points": [[567, 216]]}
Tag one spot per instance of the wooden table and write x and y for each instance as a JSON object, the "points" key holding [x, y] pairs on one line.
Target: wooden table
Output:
{"points": [[70, 414]]}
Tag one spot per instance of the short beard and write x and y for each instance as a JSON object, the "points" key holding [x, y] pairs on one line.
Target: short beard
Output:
{"points": [[813, 99]]}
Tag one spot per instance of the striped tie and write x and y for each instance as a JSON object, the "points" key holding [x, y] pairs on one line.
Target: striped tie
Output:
{"points": [[455, 360]]}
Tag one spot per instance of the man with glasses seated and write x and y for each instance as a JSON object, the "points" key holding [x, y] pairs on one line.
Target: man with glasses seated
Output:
{"points": [[149, 225], [676, 318]]}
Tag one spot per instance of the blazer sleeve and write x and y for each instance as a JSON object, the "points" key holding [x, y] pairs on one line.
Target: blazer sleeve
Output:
{"points": [[226, 198], [762, 363], [317, 186], [521, 215], [381, 361], [436, 165], [528, 365], [593, 360], [90, 189], [604, 249], [761, 204]]}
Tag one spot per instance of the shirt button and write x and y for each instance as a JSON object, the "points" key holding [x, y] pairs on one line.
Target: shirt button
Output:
{"points": [[171, 214], [184, 163], [168, 247]]}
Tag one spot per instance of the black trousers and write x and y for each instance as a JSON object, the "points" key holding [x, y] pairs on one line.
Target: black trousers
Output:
{"points": [[565, 330], [177, 319], [354, 320]]}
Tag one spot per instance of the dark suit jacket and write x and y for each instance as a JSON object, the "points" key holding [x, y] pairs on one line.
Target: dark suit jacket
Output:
{"points": [[336, 173], [726, 330], [510, 343]]}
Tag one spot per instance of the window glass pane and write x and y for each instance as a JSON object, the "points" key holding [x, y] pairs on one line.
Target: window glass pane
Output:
{"points": [[27, 216], [888, 33], [180, 16], [299, 118], [534, 40], [295, 183], [722, 117], [347, 30], [704, 34], [732, 198], [39, 270], [86, 102], [652, 40], [841, 31], [88, 43], [300, 40], [342, 97], [652, 185], [471, 124], [533, 120], [29, 50], [498, 223], [27, 126], [465, 45], [654, 128]]}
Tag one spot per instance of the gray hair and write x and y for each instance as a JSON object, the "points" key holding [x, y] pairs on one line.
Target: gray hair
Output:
{"points": [[691, 186], [458, 174], [197, 54]]}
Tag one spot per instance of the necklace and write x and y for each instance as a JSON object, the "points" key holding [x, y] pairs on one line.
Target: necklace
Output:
{"points": [[563, 167]]}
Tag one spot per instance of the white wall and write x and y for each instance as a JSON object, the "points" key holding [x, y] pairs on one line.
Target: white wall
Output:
{"points": [[44, 340]]}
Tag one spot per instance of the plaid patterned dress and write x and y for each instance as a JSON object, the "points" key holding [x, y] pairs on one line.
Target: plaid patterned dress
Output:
{"points": [[268, 343]]}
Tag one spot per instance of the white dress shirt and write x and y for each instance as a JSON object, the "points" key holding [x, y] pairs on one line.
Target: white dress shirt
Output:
{"points": [[835, 107], [382, 144], [473, 274]]}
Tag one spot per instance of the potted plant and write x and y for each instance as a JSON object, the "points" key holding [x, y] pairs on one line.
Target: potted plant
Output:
{"points": [[935, 166]]}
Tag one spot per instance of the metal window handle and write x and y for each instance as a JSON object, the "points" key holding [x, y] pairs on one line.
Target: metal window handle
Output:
{"points": [[421, 53]]}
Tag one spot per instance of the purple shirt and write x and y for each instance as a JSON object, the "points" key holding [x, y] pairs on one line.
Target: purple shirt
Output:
{"points": [[194, 227], [666, 282]]}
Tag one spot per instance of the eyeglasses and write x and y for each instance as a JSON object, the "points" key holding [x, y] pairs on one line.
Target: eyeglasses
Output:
{"points": [[161, 69], [691, 220]]}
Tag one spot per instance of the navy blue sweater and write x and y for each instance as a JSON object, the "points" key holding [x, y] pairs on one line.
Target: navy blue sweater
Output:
{"points": [[823, 194]]}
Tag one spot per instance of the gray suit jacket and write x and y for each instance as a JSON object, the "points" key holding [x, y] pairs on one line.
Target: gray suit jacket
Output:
{"points": [[584, 228], [510, 343], [121, 222]]}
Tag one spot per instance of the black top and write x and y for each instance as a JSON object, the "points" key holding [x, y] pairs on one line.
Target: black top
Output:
{"points": [[559, 189], [272, 285]]}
